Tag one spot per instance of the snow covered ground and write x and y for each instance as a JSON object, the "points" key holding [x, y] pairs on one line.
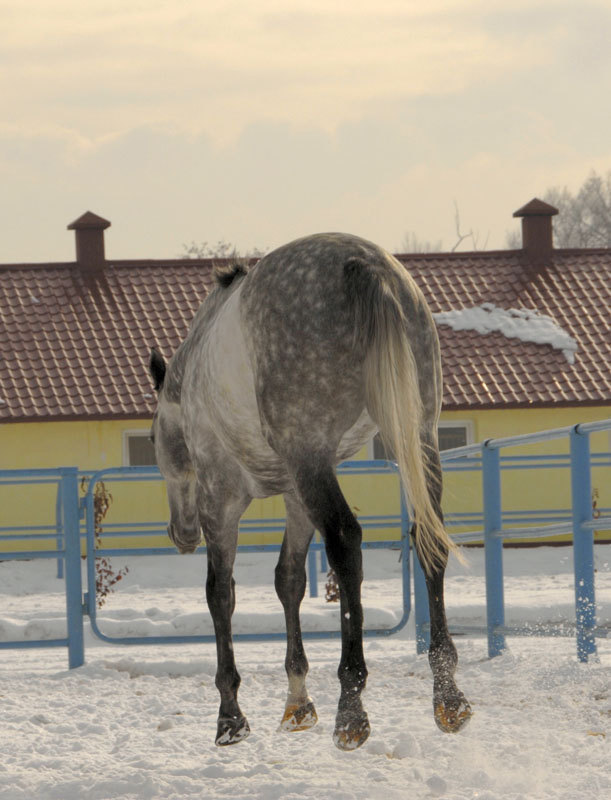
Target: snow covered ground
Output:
{"points": [[139, 722]]}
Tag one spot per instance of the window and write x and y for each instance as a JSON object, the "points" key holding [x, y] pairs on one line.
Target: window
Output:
{"points": [[379, 451], [138, 450], [451, 434]]}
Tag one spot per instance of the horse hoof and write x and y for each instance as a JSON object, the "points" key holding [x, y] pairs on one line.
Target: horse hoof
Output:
{"points": [[231, 730], [299, 718], [352, 734], [451, 718]]}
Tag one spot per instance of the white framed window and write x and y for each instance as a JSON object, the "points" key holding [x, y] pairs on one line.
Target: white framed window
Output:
{"points": [[451, 434], [457, 433], [138, 450]]}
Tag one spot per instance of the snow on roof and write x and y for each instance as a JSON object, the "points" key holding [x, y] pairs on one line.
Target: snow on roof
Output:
{"points": [[526, 324]]}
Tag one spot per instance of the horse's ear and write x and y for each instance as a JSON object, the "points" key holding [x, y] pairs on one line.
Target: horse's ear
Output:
{"points": [[157, 369]]}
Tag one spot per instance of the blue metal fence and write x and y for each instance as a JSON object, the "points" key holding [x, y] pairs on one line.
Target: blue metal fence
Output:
{"points": [[65, 536], [578, 521], [74, 520], [400, 523]]}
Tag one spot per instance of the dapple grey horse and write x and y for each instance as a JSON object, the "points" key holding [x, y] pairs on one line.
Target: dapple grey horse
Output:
{"points": [[287, 370]]}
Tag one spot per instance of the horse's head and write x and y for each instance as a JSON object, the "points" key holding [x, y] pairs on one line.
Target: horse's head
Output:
{"points": [[174, 462]]}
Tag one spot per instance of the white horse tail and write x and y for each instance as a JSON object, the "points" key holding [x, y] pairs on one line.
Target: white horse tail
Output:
{"points": [[392, 390]]}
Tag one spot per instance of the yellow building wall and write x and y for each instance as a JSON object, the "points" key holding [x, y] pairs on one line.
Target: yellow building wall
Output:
{"points": [[529, 489], [97, 445], [91, 446]]}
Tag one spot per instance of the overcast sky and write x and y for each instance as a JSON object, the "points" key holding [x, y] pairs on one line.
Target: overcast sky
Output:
{"points": [[259, 121]]}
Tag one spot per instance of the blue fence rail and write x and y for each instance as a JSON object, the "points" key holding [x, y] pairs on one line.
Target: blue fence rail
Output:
{"points": [[74, 520]]}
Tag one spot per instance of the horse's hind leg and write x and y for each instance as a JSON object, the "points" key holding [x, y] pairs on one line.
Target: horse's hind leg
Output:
{"points": [[299, 712], [220, 526], [450, 706], [320, 492]]}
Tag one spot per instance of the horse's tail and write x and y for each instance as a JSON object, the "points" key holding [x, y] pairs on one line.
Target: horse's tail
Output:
{"points": [[392, 392]]}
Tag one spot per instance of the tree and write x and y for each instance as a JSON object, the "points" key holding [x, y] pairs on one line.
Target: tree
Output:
{"points": [[221, 249], [584, 218], [413, 244]]}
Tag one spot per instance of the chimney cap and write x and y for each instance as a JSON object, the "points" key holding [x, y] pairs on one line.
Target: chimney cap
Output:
{"points": [[89, 220], [536, 208]]}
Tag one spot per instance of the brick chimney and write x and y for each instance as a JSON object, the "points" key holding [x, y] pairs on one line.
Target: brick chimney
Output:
{"points": [[89, 236], [537, 239]]}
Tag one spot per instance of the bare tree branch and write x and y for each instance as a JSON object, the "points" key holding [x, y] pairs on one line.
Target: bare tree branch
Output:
{"points": [[474, 236]]}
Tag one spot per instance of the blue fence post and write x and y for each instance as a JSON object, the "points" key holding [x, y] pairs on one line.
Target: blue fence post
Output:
{"points": [[493, 544], [58, 531], [324, 567], [583, 544], [312, 576], [421, 608], [421, 600], [91, 594], [405, 573], [72, 549]]}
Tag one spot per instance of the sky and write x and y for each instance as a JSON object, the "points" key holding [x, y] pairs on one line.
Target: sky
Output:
{"points": [[258, 122]]}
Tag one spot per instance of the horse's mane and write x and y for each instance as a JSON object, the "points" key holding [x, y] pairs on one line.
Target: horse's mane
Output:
{"points": [[226, 275]]}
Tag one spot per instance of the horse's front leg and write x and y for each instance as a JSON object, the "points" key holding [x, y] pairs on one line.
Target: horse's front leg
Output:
{"points": [[220, 528], [220, 593], [299, 712]]}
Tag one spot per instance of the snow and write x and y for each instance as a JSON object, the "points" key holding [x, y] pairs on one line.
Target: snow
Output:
{"points": [[518, 323], [139, 722]]}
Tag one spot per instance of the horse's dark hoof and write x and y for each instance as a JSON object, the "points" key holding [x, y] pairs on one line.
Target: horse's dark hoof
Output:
{"points": [[452, 716], [299, 718], [351, 732], [231, 730]]}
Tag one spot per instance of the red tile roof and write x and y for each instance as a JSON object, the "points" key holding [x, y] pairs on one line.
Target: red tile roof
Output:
{"points": [[75, 346], [491, 370]]}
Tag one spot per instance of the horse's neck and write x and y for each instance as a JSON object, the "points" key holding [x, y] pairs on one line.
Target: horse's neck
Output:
{"points": [[202, 321]]}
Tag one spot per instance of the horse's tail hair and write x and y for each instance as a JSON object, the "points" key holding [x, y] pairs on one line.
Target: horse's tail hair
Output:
{"points": [[393, 397]]}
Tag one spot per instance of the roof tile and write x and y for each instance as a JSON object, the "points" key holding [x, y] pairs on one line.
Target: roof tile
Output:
{"points": [[73, 347]]}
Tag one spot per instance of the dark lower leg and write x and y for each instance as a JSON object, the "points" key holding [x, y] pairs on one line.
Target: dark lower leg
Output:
{"points": [[220, 593], [344, 553], [320, 492], [290, 583], [449, 704]]}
